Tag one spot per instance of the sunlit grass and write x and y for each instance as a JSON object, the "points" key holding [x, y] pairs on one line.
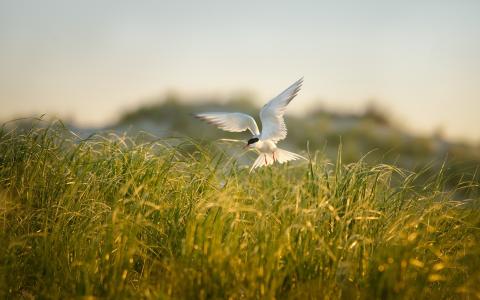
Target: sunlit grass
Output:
{"points": [[113, 218]]}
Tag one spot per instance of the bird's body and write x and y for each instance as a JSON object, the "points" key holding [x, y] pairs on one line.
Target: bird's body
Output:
{"points": [[273, 127], [265, 146]]}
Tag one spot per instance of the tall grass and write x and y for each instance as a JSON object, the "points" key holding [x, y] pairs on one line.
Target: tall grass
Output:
{"points": [[110, 217]]}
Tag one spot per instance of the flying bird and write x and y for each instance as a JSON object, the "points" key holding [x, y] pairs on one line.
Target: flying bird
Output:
{"points": [[273, 127]]}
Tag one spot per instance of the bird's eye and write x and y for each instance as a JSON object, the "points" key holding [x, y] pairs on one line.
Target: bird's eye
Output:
{"points": [[253, 140]]}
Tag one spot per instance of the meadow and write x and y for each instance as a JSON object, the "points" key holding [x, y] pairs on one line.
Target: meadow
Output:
{"points": [[115, 217]]}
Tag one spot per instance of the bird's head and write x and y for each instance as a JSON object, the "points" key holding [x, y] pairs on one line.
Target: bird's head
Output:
{"points": [[251, 142]]}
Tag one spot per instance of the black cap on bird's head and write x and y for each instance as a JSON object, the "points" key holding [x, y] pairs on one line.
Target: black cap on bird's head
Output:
{"points": [[251, 141]]}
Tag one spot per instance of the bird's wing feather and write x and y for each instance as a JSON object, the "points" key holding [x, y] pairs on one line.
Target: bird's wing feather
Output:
{"points": [[271, 115], [233, 122]]}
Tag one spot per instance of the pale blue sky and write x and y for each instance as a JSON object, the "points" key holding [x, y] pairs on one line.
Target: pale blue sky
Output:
{"points": [[91, 60]]}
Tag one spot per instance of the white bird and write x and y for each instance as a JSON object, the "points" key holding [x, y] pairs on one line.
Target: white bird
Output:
{"points": [[273, 127]]}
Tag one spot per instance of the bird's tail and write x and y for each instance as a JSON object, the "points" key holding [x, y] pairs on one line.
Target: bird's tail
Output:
{"points": [[280, 156]]}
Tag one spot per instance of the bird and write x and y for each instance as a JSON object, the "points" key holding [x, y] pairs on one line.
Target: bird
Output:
{"points": [[274, 128]]}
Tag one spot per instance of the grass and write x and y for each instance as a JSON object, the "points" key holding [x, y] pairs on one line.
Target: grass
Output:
{"points": [[113, 218]]}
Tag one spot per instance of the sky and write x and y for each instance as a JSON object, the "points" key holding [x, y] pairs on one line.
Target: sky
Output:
{"points": [[91, 60]]}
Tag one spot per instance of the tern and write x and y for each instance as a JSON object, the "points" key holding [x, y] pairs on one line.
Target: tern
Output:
{"points": [[274, 128]]}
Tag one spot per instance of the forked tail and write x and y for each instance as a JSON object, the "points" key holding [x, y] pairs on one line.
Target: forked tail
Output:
{"points": [[280, 156]]}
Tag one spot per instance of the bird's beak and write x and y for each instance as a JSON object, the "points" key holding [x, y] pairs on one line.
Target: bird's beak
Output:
{"points": [[245, 147]]}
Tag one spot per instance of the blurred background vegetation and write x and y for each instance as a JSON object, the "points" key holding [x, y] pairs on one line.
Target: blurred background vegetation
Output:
{"points": [[372, 134]]}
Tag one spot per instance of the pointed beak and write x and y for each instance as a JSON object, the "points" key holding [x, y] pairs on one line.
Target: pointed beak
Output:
{"points": [[245, 147]]}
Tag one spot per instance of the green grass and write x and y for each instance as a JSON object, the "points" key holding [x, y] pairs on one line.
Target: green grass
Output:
{"points": [[112, 218]]}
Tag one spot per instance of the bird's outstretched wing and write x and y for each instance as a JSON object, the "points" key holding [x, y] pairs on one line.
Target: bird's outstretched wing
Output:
{"points": [[271, 115], [233, 122]]}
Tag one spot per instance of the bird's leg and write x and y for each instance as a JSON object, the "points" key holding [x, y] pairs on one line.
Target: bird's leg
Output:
{"points": [[265, 159], [273, 153]]}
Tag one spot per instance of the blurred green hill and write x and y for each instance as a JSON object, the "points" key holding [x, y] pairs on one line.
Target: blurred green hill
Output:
{"points": [[369, 135]]}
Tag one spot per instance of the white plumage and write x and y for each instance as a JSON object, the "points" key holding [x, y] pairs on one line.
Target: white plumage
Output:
{"points": [[274, 128], [233, 122]]}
